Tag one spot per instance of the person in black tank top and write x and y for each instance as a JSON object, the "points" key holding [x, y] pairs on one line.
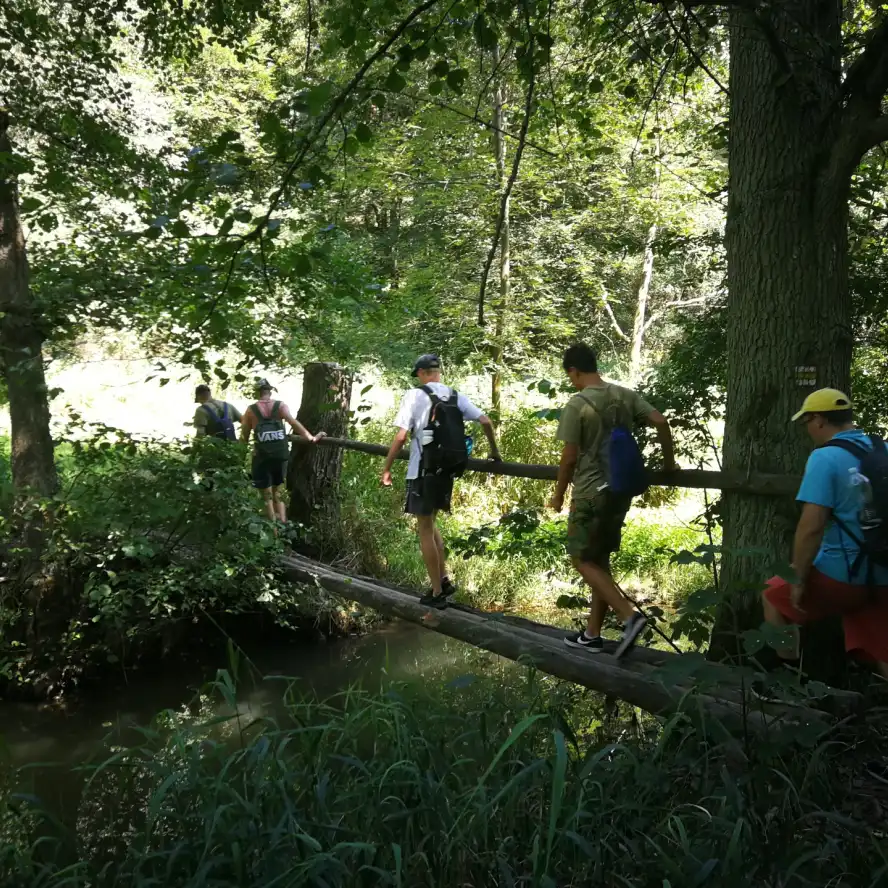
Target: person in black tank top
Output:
{"points": [[265, 420]]}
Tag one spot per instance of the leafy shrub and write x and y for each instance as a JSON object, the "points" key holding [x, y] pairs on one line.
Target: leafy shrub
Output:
{"points": [[143, 540]]}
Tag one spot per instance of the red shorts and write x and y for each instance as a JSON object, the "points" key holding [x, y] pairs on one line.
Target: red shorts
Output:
{"points": [[864, 611]]}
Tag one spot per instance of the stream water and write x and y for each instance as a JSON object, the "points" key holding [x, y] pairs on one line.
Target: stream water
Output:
{"points": [[72, 732], [52, 740]]}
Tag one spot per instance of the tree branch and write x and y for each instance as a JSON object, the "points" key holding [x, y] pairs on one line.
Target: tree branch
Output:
{"points": [[510, 184], [863, 125], [333, 110], [613, 319], [867, 78]]}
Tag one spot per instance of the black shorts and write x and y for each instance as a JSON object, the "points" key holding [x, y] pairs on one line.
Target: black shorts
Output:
{"points": [[429, 494], [268, 472]]}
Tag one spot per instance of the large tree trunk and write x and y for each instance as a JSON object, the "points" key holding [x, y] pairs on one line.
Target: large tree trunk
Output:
{"points": [[313, 477], [789, 313], [505, 268], [21, 345]]}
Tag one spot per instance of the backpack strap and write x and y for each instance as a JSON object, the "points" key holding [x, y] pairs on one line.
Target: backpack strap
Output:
{"points": [[851, 447], [225, 410], [858, 451], [275, 410], [428, 390], [210, 412]]}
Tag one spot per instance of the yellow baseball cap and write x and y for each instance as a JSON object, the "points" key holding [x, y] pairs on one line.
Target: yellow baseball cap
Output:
{"points": [[823, 401]]}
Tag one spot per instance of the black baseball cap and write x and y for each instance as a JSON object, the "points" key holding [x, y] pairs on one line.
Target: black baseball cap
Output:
{"points": [[426, 362]]}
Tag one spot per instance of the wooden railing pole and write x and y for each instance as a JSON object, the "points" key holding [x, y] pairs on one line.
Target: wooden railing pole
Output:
{"points": [[695, 479]]}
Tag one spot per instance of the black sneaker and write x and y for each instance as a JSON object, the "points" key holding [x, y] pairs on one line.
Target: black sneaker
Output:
{"points": [[634, 627], [593, 645], [429, 599], [448, 589]]}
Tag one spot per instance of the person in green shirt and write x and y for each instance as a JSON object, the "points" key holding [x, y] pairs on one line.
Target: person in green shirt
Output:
{"points": [[597, 514], [209, 411]]}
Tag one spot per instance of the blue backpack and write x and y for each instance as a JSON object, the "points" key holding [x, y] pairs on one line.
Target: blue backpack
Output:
{"points": [[220, 426], [619, 451]]}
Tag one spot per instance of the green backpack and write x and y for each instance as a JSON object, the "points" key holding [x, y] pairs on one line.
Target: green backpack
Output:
{"points": [[270, 437]]}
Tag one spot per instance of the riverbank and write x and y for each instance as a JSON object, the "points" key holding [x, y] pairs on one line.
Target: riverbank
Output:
{"points": [[432, 764]]}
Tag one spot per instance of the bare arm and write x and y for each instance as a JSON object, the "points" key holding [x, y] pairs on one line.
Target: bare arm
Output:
{"points": [[664, 436], [294, 424], [246, 427], [394, 450], [808, 536], [487, 428], [566, 468]]}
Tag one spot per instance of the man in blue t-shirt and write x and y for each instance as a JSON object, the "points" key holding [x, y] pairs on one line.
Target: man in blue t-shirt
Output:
{"points": [[832, 580]]}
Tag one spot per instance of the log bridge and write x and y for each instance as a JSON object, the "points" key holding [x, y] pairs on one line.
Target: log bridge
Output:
{"points": [[660, 682]]}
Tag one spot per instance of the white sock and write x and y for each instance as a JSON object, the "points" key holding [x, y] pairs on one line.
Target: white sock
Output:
{"points": [[590, 637]]}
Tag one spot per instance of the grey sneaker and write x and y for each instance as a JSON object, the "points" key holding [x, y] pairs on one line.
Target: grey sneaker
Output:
{"points": [[633, 628], [582, 641]]}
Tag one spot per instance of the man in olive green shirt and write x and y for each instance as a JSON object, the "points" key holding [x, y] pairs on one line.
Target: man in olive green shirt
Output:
{"points": [[209, 410], [597, 513]]}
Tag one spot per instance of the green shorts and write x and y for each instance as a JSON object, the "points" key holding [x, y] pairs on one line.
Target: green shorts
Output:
{"points": [[595, 527]]}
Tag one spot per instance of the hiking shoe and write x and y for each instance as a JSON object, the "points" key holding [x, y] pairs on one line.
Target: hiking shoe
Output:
{"points": [[633, 628], [448, 588], [582, 641], [429, 599]]}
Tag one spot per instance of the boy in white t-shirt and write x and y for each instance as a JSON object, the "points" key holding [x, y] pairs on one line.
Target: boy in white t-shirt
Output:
{"points": [[429, 494]]}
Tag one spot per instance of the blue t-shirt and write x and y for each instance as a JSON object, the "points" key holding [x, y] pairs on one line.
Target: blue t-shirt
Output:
{"points": [[827, 482]]}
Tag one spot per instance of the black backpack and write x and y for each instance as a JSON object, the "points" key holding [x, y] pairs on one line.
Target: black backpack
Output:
{"points": [[874, 512], [448, 453], [220, 426], [270, 437]]}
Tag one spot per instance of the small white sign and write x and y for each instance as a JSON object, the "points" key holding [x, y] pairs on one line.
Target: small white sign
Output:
{"points": [[806, 377]]}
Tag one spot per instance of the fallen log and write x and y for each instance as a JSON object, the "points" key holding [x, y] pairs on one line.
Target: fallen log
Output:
{"points": [[636, 683], [696, 479]]}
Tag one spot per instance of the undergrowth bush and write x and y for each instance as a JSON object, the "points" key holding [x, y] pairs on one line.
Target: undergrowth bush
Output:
{"points": [[472, 783], [143, 540]]}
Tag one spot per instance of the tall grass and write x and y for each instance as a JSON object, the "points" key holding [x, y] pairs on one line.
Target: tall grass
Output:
{"points": [[472, 783]]}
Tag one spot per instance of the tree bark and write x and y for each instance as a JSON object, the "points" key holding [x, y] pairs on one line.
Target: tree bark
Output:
{"points": [[789, 312], [313, 476], [21, 345], [505, 267]]}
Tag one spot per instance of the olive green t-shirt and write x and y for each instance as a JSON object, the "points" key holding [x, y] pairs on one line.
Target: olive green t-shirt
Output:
{"points": [[583, 421], [201, 419]]}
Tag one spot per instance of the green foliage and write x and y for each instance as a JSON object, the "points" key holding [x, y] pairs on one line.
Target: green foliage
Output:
{"points": [[478, 782], [144, 540]]}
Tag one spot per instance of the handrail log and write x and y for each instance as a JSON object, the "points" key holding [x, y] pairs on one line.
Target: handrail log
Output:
{"points": [[697, 479]]}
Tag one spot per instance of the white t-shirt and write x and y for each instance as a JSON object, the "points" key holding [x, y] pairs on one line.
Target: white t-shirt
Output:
{"points": [[413, 415]]}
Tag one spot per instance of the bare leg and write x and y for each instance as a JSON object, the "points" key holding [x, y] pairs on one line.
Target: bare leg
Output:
{"points": [[775, 618], [428, 545], [442, 557], [280, 507], [605, 591], [595, 620], [269, 503]]}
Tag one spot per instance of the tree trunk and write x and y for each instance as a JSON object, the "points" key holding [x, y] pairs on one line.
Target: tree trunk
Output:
{"points": [[644, 289], [21, 345], [789, 313], [313, 476], [636, 355], [505, 286]]}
